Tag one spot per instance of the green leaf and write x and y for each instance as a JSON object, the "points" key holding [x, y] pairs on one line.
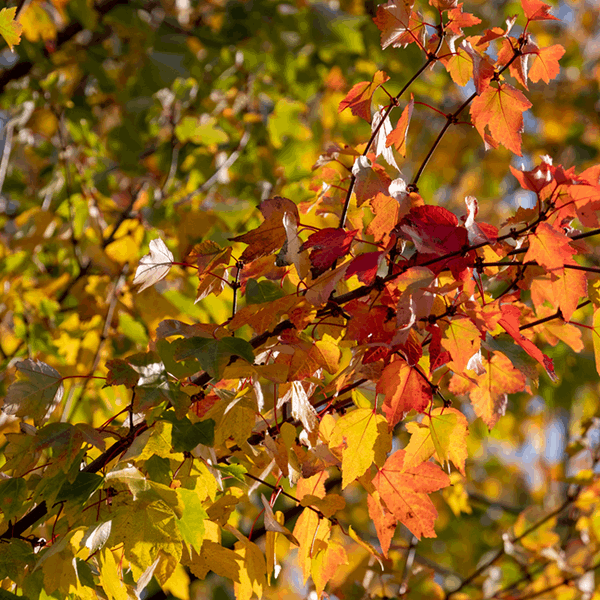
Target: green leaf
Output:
{"points": [[191, 524], [235, 471], [178, 368], [36, 394], [187, 435], [81, 489], [259, 292], [13, 493], [213, 355], [9, 28]]}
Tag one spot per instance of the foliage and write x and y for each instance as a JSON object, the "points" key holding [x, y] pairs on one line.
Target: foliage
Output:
{"points": [[243, 353]]}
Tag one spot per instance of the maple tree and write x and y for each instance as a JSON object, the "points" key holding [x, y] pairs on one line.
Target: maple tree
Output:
{"points": [[242, 347]]}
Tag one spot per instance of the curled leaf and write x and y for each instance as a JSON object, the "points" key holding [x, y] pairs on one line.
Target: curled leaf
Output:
{"points": [[154, 266]]}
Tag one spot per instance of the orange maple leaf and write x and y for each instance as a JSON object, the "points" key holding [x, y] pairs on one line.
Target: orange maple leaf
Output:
{"points": [[358, 99], [393, 20], [384, 521], [404, 390], [398, 136], [536, 10], [549, 247], [489, 391], [404, 492], [545, 64], [501, 109], [568, 285]]}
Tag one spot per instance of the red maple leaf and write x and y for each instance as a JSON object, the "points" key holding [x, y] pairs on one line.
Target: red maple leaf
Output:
{"points": [[457, 19], [404, 389], [510, 323], [501, 110], [397, 23], [536, 179], [329, 244], [549, 247], [398, 136], [365, 267], [358, 99], [405, 492]]}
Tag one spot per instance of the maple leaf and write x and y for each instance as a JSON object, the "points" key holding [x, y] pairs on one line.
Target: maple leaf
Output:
{"points": [[329, 245], [393, 20], [9, 28], [457, 20], [405, 492], [383, 519], [154, 266], [365, 267], [364, 438], [460, 67], [271, 234], [461, 339], [397, 137], [510, 323], [489, 391], [120, 372], [536, 179], [370, 179], [536, 10], [358, 99], [320, 289], [442, 432], [387, 213], [568, 285], [501, 110], [36, 394], [483, 70], [326, 561], [545, 64], [404, 389], [549, 247]]}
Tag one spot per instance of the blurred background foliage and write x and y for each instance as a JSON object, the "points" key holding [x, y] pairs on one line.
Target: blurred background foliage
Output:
{"points": [[176, 118]]}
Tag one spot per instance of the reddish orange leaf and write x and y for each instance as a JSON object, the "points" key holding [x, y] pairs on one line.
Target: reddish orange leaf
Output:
{"points": [[358, 99], [404, 390], [501, 110], [457, 19], [393, 20], [404, 492], [549, 247], [371, 179], [365, 267], [568, 285], [510, 323], [489, 392], [387, 214], [536, 179], [536, 10], [270, 235], [461, 339], [398, 136], [329, 244], [384, 521], [545, 64]]}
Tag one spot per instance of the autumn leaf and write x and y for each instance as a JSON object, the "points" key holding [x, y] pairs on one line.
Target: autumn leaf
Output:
{"points": [[358, 99], [536, 10], [405, 492], [120, 372], [397, 137], [364, 438], [457, 19], [328, 245], [9, 28], [545, 64], [393, 20], [568, 286], [537, 178], [501, 110], [461, 339], [365, 267], [326, 562], [387, 213], [549, 247], [443, 432], [371, 179], [489, 391], [154, 266], [37, 392], [404, 389], [510, 323], [270, 235]]}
